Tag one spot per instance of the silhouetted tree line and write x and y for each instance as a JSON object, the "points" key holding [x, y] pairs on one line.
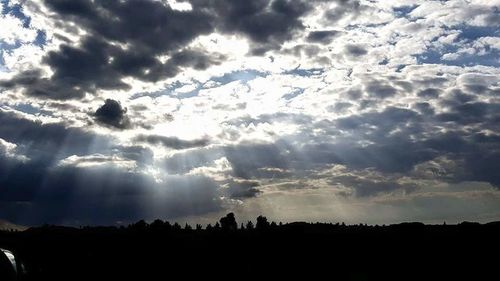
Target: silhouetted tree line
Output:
{"points": [[227, 223], [258, 249]]}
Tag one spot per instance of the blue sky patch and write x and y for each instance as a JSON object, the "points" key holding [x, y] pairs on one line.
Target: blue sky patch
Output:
{"points": [[471, 33], [403, 11], [16, 11], [242, 75]]}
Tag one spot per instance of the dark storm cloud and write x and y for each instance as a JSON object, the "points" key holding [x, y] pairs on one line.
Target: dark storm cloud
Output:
{"points": [[388, 154], [78, 71], [390, 143], [37, 139], [57, 174], [242, 189], [33, 84], [340, 107], [279, 117], [149, 25], [310, 50], [416, 138], [322, 36], [380, 90], [425, 108], [172, 142], [395, 156], [36, 188], [344, 8], [364, 186], [247, 159], [267, 23], [355, 50], [391, 140], [456, 98], [469, 113], [386, 120], [155, 26], [251, 162], [195, 59], [55, 141], [483, 165], [149, 29], [432, 81], [182, 163], [141, 155], [493, 19], [103, 195], [112, 114], [476, 88], [429, 93]]}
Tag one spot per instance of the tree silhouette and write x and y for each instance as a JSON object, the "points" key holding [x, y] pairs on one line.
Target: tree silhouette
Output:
{"points": [[217, 226], [157, 225], [228, 222], [250, 225], [262, 223], [167, 226], [140, 225], [176, 226]]}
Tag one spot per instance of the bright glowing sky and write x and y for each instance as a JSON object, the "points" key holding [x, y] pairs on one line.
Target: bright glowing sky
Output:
{"points": [[322, 110]]}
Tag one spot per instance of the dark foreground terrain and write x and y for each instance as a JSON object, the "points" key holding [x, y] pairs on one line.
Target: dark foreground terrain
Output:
{"points": [[161, 251]]}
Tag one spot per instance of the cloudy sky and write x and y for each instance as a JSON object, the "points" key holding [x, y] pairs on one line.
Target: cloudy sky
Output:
{"points": [[321, 110]]}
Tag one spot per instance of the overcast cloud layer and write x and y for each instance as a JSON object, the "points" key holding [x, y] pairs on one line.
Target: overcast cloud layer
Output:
{"points": [[322, 110]]}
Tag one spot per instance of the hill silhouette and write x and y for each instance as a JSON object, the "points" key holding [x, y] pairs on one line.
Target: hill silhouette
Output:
{"points": [[8, 226], [227, 250]]}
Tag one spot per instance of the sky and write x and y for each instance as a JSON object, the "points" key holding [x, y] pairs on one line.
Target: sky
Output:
{"points": [[359, 111]]}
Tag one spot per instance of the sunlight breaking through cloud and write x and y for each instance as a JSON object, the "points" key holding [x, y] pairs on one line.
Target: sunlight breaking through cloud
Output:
{"points": [[360, 111]]}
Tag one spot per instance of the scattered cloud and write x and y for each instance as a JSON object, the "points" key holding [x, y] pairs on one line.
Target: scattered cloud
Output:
{"points": [[376, 111], [112, 114]]}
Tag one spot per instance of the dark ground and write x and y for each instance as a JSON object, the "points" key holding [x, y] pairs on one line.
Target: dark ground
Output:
{"points": [[159, 251]]}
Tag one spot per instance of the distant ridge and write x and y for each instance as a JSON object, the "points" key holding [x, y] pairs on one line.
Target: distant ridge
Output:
{"points": [[6, 226]]}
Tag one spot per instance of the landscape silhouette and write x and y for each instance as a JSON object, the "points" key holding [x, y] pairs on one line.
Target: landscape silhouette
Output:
{"points": [[226, 250]]}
